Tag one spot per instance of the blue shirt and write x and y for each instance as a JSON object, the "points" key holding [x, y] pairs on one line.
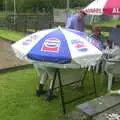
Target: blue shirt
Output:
{"points": [[97, 42], [76, 22]]}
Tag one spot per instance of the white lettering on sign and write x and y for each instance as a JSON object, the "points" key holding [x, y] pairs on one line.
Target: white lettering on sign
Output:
{"points": [[116, 10], [93, 10]]}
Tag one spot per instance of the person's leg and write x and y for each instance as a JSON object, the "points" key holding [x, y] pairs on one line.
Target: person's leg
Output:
{"points": [[43, 78], [51, 75], [45, 73]]}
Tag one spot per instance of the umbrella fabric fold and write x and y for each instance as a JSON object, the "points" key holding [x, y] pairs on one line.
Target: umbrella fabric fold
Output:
{"points": [[99, 7], [57, 45]]}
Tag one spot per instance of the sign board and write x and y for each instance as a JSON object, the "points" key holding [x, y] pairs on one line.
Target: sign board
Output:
{"points": [[60, 15]]}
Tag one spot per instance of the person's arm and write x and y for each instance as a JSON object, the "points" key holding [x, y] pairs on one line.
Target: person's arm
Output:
{"points": [[68, 23]]}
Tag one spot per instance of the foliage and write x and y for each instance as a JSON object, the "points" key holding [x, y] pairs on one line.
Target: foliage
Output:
{"points": [[1, 4], [78, 3], [39, 5], [3, 15]]}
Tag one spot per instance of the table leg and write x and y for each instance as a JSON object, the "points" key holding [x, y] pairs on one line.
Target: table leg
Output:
{"points": [[94, 83], [110, 77], [61, 92]]}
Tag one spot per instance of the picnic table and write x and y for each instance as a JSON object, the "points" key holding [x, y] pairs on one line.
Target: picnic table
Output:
{"points": [[105, 107], [75, 73]]}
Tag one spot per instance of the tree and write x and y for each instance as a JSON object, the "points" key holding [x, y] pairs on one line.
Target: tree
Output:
{"points": [[78, 3], [1, 4], [38, 5]]}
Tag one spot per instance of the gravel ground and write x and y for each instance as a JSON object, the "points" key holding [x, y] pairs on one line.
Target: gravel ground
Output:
{"points": [[7, 57]]}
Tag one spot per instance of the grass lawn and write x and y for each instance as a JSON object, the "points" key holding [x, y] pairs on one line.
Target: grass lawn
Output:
{"points": [[11, 35], [110, 23], [18, 100]]}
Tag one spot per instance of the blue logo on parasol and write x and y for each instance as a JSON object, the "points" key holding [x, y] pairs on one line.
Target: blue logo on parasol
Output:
{"points": [[51, 45]]}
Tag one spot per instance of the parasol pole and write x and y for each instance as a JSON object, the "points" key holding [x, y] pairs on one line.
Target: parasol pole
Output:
{"points": [[67, 7], [14, 11]]}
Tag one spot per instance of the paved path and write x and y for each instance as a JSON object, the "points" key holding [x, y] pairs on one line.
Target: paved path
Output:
{"points": [[7, 57]]}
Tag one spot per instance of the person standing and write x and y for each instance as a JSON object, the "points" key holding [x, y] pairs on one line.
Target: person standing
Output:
{"points": [[77, 21]]}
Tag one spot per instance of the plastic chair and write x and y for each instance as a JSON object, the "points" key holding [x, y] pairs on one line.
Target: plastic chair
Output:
{"points": [[112, 68]]}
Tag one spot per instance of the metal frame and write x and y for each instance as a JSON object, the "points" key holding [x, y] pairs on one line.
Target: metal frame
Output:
{"points": [[57, 73]]}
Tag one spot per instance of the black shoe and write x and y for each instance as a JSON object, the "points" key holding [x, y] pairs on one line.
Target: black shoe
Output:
{"points": [[114, 81], [40, 91], [49, 95]]}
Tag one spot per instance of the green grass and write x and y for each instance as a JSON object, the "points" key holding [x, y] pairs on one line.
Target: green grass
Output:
{"points": [[11, 35], [109, 23], [18, 100]]}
